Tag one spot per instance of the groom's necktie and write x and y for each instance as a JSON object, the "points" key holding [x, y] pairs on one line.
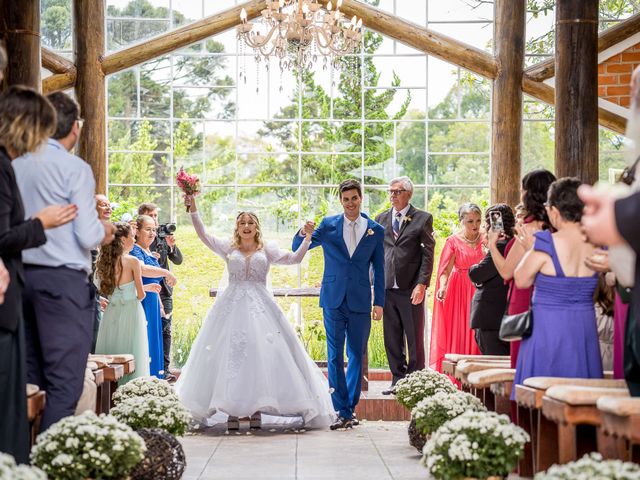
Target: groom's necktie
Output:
{"points": [[353, 242], [396, 225]]}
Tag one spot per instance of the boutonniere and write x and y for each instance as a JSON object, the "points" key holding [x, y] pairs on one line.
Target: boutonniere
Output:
{"points": [[369, 232], [407, 218]]}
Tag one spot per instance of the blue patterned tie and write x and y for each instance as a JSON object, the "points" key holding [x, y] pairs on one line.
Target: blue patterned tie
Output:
{"points": [[396, 225]]}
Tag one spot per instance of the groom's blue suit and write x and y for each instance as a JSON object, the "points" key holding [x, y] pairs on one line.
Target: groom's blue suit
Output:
{"points": [[345, 298]]}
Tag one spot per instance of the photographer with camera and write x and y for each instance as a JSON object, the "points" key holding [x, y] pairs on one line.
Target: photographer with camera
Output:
{"points": [[164, 248]]}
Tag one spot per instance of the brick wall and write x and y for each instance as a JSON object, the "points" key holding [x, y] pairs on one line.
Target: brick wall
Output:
{"points": [[614, 75]]}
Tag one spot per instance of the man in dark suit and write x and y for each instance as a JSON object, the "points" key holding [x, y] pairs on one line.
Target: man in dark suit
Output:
{"points": [[408, 263], [607, 221]]}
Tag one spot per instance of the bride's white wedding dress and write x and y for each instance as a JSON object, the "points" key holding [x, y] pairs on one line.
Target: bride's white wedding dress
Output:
{"points": [[247, 357]]}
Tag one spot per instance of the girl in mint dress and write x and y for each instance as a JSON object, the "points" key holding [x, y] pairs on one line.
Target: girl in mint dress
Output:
{"points": [[123, 327]]}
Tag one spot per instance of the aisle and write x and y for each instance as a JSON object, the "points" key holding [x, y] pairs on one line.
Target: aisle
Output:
{"points": [[373, 451]]}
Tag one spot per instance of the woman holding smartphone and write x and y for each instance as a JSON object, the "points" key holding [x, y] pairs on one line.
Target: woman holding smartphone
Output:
{"points": [[490, 298]]}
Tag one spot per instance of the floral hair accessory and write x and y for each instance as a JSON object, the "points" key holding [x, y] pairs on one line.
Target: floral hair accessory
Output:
{"points": [[189, 184]]}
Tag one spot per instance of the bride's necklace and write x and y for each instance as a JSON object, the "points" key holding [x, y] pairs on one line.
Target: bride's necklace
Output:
{"points": [[471, 242]]}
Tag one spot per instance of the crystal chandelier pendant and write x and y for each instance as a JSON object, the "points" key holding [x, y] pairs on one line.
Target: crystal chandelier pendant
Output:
{"points": [[298, 32]]}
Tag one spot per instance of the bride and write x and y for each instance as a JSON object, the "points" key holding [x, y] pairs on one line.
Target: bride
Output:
{"points": [[247, 358]]}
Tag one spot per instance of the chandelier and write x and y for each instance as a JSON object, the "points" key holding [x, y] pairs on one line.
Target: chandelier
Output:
{"points": [[297, 31]]}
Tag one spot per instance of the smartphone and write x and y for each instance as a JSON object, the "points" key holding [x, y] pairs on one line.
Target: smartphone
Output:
{"points": [[496, 221]]}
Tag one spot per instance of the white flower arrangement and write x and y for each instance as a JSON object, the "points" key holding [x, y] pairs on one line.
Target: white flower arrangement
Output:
{"points": [[432, 412], [165, 413], [88, 446], [421, 384], [9, 470], [144, 387], [592, 467], [474, 444]]}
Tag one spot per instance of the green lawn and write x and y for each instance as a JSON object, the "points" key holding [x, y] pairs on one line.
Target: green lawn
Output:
{"points": [[202, 269]]}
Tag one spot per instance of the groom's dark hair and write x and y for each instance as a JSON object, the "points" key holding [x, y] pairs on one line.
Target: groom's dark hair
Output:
{"points": [[350, 184]]}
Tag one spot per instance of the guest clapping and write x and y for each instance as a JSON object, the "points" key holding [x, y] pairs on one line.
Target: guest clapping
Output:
{"points": [[564, 339], [450, 327]]}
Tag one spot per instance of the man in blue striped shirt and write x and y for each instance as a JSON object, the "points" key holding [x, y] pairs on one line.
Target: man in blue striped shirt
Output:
{"points": [[58, 297]]}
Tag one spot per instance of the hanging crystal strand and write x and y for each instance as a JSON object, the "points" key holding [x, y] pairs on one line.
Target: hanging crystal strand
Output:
{"points": [[257, 72]]}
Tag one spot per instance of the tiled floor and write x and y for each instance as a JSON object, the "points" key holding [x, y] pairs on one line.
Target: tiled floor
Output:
{"points": [[375, 450]]}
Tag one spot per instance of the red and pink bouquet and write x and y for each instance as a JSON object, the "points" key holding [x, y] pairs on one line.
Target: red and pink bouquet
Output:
{"points": [[189, 184]]}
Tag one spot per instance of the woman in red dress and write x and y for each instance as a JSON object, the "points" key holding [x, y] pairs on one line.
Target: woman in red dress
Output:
{"points": [[450, 328]]}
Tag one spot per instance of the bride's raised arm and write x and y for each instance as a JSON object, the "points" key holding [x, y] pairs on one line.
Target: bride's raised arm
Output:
{"points": [[220, 246], [280, 256]]}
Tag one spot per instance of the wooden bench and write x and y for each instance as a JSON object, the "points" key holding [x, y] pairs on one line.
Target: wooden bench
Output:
{"points": [[620, 418], [573, 407], [451, 359], [111, 372], [529, 399], [484, 381], [36, 401], [465, 367]]}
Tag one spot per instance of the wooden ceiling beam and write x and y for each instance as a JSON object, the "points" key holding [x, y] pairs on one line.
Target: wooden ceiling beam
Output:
{"points": [[59, 82], [56, 63], [606, 39]]}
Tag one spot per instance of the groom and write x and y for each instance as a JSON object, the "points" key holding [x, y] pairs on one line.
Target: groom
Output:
{"points": [[353, 247]]}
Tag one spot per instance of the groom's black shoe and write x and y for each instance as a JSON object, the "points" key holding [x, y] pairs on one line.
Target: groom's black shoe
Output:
{"points": [[354, 421], [341, 422]]}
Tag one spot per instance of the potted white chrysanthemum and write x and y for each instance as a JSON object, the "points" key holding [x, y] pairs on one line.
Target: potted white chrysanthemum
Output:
{"points": [[592, 466], [144, 387], [165, 413], [88, 446], [432, 412], [478, 445], [9, 469]]}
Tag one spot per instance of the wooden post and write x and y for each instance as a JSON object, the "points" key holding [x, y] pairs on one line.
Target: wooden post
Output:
{"points": [[20, 27], [90, 86], [506, 144], [577, 89]]}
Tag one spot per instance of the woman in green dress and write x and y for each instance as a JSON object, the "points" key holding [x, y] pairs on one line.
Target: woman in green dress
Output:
{"points": [[123, 327]]}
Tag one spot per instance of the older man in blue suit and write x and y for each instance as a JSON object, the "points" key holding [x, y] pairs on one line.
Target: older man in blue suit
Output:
{"points": [[353, 249]]}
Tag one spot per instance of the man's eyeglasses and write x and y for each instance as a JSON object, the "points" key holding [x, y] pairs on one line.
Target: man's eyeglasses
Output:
{"points": [[394, 193]]}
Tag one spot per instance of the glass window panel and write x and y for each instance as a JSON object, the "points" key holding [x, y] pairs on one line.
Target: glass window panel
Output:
{"points": [[319, 169], [316, 93], [444, 202], [459, 136], [148, 9], [400, 103], [411, 151], [187, 13], [219, 155], [331, 137], [536, 110], [265, 168], [272, 136], [139, 135], [127, 198], [398, 70], [533, 59], [217, 207], [379, 158], [218, 6], [414, 11], [614, 157], [460, 10], [442, 89], [375, 42], [204, 102], [56, 25], [204, 70], [188, 147], [538, 145], [155, 88], [474, 96], [253, 90], [277, 210], [375, 201], [283, 92], [540, 32], [139, 168], [458, 169], [122, 94], [479, 35], [122, 33]]}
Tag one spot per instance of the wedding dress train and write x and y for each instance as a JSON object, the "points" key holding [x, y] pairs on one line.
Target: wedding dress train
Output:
{"points": [[247, 357]]}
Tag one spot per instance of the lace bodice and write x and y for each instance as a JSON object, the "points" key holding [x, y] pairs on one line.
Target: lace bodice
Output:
{"points": [[254, 267]]}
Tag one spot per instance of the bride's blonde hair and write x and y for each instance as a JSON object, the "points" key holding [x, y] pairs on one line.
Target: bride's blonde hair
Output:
{"points": [[257, 238]]}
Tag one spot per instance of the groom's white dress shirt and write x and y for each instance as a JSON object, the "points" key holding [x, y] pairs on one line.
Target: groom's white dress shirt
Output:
{"points": [[347, 232]]}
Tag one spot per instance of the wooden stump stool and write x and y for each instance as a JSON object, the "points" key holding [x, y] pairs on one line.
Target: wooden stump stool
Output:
{"points": [[572, 407], [36, 400], [620, 418]]}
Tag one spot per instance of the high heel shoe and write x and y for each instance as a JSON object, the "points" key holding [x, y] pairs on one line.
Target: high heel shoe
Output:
{"points": [[255, 422], [233, 423]]}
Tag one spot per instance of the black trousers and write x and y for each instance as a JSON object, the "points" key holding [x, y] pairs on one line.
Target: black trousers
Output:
{"points": [[490, 344], [403, 323], [632, 350], [59, 307], [167, 305], [14, 426]]}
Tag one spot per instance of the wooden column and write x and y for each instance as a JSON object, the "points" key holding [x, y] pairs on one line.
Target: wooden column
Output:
{"points": [[89, 39], [506, 144], [577, 89], [20, 29]]}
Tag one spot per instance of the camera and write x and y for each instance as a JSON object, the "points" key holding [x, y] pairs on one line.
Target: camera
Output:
{"points": [[165, 229]]}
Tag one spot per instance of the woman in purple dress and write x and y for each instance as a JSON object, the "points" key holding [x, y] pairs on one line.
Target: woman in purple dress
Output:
{"points": [[564, 340]]}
